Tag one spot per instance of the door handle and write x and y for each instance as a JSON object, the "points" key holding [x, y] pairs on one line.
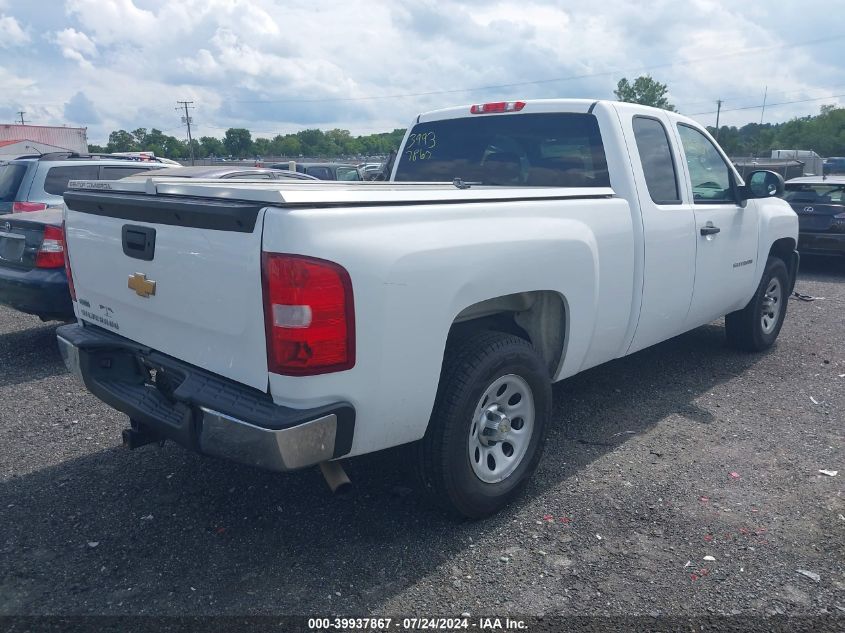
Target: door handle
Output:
{"points": [[709, 229]]}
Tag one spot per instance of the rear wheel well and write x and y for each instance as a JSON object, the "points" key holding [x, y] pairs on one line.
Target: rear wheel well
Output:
{"points": [[538, 317]]}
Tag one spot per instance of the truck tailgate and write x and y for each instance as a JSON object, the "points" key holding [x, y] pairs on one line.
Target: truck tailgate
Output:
{"points": [[178, 275]]}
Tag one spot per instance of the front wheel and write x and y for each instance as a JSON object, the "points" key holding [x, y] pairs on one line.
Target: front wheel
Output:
{"points": [[487, 430], [757, 325]]}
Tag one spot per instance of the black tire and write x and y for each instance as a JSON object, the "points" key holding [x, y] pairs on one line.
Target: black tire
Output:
{"points": [[745, 328], [470, 367]]}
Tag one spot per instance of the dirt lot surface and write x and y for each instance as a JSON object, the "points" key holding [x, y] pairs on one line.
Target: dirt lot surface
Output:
{"points": [[681, 480]]}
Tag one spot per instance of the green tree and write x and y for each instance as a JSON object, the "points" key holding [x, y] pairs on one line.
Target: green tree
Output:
{"points": [[121, 141], [210, 146], [140, 136], [162, 144], [645, 90], [238, 142], [261, 146], [287, 145], [312, 141]]}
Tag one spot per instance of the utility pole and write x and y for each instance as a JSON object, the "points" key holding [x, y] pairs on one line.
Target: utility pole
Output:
{"points": [[187, 120], [21, 113], [765, 94], [718, 112]]}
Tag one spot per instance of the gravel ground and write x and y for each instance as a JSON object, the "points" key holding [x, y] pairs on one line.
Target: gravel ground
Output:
{"points": [[655, 463]]}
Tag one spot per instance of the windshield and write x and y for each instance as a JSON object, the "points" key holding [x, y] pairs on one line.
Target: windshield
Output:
{"points": [[11, 175], [544, 150]]}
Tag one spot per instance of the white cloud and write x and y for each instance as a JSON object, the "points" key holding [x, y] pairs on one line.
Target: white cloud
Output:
{"points": [[76, 46], [280, 65], [11, 33], [115, 21]]}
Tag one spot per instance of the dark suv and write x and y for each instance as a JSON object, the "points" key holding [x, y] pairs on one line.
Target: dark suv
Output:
{"points": [[35, 183], [820, 205]]}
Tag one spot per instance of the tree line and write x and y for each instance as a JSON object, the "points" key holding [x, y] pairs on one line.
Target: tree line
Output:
{"points": [[238, 143], [824, 133]]}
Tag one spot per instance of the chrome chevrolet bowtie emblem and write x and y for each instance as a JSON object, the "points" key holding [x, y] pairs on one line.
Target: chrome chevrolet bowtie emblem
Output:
{"points": [[142, 286]]}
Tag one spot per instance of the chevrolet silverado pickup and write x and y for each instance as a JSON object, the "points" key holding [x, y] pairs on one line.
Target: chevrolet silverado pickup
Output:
{"points": [[288, 324]]}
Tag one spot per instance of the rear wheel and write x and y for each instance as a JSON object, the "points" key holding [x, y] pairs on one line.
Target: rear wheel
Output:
{"points": [[486, 433], [757, 325]]}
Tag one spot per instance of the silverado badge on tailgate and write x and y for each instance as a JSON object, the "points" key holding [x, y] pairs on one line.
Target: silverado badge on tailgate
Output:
{"points": [[142, 286]]}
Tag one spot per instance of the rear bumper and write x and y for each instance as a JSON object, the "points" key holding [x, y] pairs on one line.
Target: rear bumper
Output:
{"points": [[822, 243], [202, 411], [41, 291]]}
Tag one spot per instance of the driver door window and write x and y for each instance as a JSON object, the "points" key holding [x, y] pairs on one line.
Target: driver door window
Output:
{"points": [[709, 173]]}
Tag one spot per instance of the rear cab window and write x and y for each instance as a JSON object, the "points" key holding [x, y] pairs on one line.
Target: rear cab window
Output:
{"points": [[818, 194], [518, 150]]}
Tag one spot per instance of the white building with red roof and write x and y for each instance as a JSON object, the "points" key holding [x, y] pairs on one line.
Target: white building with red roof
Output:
{"points": [[19, 140]]}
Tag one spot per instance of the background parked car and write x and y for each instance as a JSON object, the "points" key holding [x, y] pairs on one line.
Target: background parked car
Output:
{"points": [[235, 171], [325, 171], [834, 165], [34, 183], [820, 205], [32, 272], [32, 264]]}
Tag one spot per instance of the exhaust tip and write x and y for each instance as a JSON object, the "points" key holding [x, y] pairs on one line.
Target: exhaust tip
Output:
{"points": [[336, 478]]}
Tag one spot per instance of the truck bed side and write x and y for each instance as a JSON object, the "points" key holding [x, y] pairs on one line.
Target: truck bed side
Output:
{"points": [[414, 269]]}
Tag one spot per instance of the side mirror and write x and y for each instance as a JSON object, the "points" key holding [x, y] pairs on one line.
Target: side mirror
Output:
{"points": [[762, 184]]}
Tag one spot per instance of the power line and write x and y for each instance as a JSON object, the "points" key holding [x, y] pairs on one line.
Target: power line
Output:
{"points": [[736, 97], [550, 80], [770, 105], [21, 113]]}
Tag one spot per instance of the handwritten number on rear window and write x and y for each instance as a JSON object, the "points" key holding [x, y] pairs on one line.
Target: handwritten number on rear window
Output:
{"points": [[419, 146]]}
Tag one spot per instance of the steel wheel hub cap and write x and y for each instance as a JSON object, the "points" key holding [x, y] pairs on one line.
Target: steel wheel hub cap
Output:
{"points": [[501, 430], [770, 312]]}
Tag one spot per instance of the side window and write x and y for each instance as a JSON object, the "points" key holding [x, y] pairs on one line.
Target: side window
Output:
{"points": [[322, 173], [55, 182], [710, 174], [656, 158], [116, 173], [347, 173]]}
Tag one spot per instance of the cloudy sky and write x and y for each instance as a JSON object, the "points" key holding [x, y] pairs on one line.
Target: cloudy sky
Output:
{"points": [[277, 66]]}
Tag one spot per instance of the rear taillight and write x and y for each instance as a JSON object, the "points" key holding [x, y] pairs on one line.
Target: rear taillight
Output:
{"points": [[67, 265], [23, 207], [498, 106], [309, 315], [51, 253]]}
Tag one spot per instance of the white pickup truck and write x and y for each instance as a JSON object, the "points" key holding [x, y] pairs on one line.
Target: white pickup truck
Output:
{"points": [[287, 324]]}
